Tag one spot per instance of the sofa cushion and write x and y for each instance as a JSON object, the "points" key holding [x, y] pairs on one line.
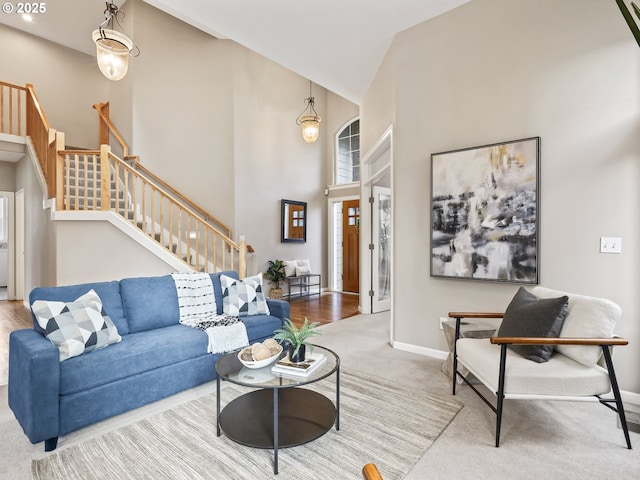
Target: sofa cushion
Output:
{"points": [[138, 352], [145, 311], [109, 293], [76, 327], [143, 351], [530, 316], [587, 317], [243, 297], [260, 327]]}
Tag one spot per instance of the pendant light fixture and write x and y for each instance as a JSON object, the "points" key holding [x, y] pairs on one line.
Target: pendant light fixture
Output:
{"points": [[113, 48], [309, 120]]}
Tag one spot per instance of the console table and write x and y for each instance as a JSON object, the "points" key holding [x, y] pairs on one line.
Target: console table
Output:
{"points": [[304, 284]]}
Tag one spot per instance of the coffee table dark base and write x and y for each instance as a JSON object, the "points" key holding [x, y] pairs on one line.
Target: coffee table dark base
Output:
{"points": [[303, 416]]}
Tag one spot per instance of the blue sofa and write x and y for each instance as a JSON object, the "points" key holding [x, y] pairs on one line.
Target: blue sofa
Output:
{"points": [[156, 358]]}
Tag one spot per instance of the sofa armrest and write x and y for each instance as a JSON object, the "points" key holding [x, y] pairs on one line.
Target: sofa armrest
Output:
{"points": [[34, 384], [279, 308]]}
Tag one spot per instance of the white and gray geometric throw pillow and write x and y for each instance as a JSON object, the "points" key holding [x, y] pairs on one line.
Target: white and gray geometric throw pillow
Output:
{"points": [[76, 327], [241, 298]]}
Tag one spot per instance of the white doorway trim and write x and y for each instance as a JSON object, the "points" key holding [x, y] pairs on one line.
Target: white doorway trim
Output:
{"points": [[9, 196], [376, 163], [19, 233], [332, 254]]}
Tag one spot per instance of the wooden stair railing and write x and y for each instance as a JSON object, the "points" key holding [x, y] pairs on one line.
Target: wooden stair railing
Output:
{"points": [[202, 212], [73, 178], [83, 186], [107, 128], [21, 114], [12, 109]]}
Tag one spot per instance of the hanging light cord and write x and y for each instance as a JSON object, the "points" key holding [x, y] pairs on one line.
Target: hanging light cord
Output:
{"points": [[110, 16], [309, 105]]}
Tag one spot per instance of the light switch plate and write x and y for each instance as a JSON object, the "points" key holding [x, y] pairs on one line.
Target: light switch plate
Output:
{"points": [[610, 245]]}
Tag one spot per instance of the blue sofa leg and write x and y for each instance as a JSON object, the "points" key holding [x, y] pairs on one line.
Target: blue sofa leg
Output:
{"points": [[50, 444]]}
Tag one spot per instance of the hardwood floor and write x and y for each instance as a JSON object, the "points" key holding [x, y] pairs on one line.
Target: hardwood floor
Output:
{"points": [[13, 316], [326, 308]]}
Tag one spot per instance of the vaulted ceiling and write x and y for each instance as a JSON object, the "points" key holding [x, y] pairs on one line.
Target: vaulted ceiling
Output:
{"points": [[338, 44]]}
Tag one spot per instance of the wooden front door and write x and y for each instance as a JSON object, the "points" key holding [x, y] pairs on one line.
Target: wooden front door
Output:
{"points": [[351, 246]]}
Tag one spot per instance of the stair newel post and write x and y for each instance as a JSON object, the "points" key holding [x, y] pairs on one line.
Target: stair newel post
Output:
{"points": [[242, 257], [59, 170], [105, 194]]}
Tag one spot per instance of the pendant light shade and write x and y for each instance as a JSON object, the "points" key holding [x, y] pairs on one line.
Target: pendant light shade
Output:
{"points": [[113, 48], [310, 125], [309, 120], [112, 51]]}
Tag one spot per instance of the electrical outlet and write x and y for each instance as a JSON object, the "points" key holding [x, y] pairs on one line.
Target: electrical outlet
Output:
{"points": [[610, 245], [442, 321]]}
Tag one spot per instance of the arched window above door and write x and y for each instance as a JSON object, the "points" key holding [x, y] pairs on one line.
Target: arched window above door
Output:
{"points": [[347, 165]]}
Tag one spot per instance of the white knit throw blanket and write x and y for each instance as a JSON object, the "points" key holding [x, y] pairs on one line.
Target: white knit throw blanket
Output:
{"points": [[198, 308]]}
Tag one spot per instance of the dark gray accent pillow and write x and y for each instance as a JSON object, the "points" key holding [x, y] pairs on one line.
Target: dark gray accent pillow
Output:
{"points": [[530, 316]]}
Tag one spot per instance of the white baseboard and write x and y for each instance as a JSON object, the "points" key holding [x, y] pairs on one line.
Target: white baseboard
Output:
{"points": [[629, 398], [427, 352]]}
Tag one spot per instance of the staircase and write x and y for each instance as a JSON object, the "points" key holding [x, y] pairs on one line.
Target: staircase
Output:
{"points": [[98, 180]]}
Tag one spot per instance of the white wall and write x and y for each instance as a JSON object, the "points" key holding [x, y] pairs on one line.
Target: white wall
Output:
{"points": [[7, 176], [273, 162], [120, 257], [496, 70], [181, 103], [38, 233]]}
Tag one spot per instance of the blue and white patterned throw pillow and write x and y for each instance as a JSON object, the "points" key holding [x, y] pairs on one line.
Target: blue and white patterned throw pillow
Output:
{"points": [[76, 327], [241, 298]]}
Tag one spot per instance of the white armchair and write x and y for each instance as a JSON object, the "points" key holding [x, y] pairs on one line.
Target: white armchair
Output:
{"points": [[580, 367]]}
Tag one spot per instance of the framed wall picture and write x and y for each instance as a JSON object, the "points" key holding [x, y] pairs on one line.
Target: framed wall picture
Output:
{"points": [[293, 225], [484, 212]]}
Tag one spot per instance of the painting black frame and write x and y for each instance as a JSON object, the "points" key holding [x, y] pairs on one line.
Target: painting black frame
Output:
{"points": [[494, 183]]}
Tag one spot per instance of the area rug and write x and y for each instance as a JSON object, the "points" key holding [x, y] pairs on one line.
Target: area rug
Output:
{"points": [[380, 423]]}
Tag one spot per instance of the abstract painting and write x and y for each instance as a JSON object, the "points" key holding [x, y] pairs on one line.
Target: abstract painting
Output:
{"points": [[484, 212]]}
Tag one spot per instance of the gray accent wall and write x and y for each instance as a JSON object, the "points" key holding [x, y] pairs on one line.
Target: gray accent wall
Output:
{"points": [[498, 70]]}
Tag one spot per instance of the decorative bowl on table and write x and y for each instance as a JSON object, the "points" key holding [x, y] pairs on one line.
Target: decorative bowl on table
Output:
{"points": [[260, 355]]}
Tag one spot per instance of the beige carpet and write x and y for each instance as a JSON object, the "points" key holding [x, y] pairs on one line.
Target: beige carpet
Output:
{"points": [[379, 422]]}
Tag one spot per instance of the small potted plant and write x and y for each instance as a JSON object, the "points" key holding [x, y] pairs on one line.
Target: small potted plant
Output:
{"points": [[297, 338], [275, 274]]}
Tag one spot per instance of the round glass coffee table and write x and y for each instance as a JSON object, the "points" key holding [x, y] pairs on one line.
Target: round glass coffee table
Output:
{"points": [[277, 413]]}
